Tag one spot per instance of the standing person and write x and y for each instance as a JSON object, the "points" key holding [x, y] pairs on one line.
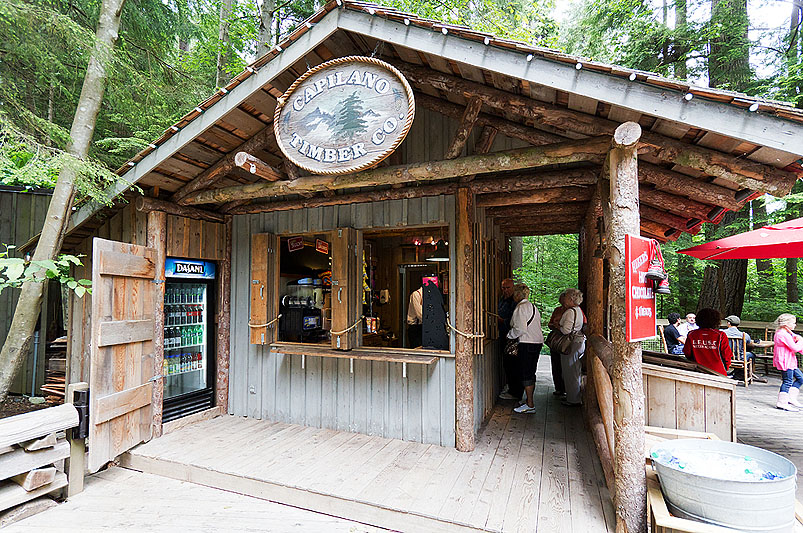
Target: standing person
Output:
{"points": [[708, 346], [674, 340], [784, 358], [415, 315], [554, 355], [513, 379], [571, 323], [690, 325], [525, 325]]}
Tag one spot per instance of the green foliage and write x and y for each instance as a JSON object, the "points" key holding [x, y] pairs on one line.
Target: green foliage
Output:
{"points": [[528, 21], [14, 271], [549, 265]]}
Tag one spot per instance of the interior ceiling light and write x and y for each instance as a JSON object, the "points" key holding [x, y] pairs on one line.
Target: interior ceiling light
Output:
{"points": [[441, 252]]}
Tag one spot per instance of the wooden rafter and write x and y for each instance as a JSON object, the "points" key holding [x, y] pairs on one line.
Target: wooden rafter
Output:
{"points": [[220, 169], [749, 174], [467, 121], [536, 196], [257, 167], [568, 152]]}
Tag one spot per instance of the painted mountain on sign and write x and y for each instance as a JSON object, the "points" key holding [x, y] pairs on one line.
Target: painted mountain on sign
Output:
{"points": [[315, 119]]}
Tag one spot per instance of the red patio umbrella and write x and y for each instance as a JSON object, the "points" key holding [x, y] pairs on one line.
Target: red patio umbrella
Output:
{"points": [[776, 241]]}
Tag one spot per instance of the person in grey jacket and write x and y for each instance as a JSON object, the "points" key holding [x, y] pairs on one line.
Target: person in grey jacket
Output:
{"points": [[571, 323]]}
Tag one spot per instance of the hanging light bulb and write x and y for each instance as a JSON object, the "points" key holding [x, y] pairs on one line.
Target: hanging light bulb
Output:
{"points": [[441, 252]]}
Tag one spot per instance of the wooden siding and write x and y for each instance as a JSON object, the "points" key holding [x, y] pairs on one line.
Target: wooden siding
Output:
{"points": [[375, 399], [198, 240], [681, 399], [22, 215]]}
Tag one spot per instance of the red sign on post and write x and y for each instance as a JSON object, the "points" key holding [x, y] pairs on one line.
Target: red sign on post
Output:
{"points": [[322, 246], [639, 295]]}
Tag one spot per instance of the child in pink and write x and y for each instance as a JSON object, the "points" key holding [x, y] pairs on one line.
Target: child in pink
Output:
{"points": [[787, 344]]}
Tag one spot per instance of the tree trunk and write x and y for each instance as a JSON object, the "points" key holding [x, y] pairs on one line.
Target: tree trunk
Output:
{"points": [[516, 256], [20, 333], [764, 270], [685, 287], [724, 282], [728, 62], [792, 293], [265, 25], [681, 46], [223, 43]]}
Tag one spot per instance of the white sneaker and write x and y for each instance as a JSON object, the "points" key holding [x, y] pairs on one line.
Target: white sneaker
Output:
{"points": [[524, 408]]}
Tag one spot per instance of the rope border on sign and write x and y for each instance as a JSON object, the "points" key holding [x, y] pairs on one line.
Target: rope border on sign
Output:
{"points": [[408, 123]]}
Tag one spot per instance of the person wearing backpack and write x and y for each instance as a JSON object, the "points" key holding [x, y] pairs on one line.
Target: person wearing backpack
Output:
{"points": [[525, 326]]}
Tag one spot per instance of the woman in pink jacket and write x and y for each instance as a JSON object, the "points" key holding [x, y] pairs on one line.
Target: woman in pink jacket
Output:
{"points": [[787, 344]]}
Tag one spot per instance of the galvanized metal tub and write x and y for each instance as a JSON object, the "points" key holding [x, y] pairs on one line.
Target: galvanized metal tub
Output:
{"points": [[756, 506]]}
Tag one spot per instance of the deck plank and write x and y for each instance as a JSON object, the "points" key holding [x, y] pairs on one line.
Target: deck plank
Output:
{"points": [[524, 475]]}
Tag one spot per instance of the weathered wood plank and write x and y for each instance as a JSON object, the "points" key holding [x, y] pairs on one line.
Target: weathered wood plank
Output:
{"points": [[20, 461], [35, 478], [125, 332], [12, 494], [123, 402], [28, 426], [120, 264]]}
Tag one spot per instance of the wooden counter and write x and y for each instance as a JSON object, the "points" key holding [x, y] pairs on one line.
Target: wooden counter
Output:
{"points": [[389, 355]]}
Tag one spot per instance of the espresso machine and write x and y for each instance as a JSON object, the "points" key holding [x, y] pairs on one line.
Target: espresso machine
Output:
{"points": [[301, 309]]}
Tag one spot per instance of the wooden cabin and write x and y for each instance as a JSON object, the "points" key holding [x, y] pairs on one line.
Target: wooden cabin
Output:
{"points": [[507, 140]]}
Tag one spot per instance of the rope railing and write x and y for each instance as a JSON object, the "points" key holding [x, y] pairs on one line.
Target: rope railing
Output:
{"points": [[357, 323], [464, 334], [267, 324]]}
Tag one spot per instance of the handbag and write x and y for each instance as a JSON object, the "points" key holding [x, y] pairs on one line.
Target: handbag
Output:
{"points": [[512, 345], [561, 342]]}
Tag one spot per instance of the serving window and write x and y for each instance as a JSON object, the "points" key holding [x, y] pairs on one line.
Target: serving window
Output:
{"points": [[348, 289]]}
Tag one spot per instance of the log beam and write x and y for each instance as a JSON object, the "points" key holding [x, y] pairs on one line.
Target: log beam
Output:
{"points": [[222, 167], [257, 167], [679, 205], [696, 189], [157, 239], [670, 220], [464, 320], [467, 121], [749, 174], [146, 205], [622, 219], [508, 128], [568, 152], [538, 196], [534, 211], [559, 228]]}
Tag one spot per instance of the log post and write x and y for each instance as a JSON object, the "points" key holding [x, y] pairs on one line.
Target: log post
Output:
{"points": [[628, 394], [157, 239], [464, 320], [224, 322]]}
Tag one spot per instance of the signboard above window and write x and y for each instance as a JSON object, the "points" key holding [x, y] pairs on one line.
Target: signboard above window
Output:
{"points": [[345, 115]]}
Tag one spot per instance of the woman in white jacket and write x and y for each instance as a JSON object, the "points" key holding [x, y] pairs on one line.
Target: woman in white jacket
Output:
{"points": [[571, 323], [525, 325]]}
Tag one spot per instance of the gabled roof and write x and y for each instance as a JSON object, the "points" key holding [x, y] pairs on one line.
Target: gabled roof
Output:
{"points": [[587, 97]]}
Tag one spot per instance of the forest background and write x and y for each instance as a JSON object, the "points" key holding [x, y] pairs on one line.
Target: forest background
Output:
{"points": [[173, 53]]}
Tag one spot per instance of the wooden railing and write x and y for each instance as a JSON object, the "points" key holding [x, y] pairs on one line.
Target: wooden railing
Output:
{"points": [[33, 448]]}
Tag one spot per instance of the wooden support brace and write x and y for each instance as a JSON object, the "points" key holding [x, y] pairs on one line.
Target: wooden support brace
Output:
{"points": [[464, 129], [147, 205], [257, 167]]}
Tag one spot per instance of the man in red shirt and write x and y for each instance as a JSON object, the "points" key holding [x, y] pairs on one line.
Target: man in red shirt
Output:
{"points": [[708, 346]]}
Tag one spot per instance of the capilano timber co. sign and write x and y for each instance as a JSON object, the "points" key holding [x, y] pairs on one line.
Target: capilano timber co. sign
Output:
{"points": [[344, 115]]}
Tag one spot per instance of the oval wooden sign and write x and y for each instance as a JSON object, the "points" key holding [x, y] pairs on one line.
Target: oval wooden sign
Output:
{"points": [[345, 115]]}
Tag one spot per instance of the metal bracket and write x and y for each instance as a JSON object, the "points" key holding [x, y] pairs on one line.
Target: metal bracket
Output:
{"points": [[157, 281], [81, 403], [155, 378]]}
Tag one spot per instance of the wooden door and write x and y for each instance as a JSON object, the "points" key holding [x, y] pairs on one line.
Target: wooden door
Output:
{"points": [[264, 288], [121, 367], [346, 288]]}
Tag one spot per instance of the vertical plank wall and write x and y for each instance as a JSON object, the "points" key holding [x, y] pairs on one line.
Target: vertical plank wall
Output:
{"points": [[193, 239], [375, 399], [22, 215]]}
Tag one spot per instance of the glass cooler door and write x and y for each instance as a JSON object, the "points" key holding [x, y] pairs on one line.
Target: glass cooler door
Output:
{"points": [[185, 338]]}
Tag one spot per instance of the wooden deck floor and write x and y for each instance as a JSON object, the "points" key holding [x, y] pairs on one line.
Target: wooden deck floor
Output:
{"points": [[118, 499], [535, 472], [759, 423]]}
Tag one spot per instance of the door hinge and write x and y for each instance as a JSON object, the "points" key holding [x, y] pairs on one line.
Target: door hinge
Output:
{"points": [[157, 281]]}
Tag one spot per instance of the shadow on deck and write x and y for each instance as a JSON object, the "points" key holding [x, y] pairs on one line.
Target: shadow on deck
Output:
{"points": [[534, 472]]}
